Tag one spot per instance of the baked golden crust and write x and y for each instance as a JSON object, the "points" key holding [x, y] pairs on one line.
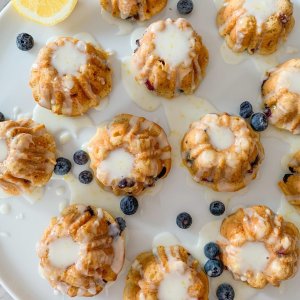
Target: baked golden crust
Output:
{"points": [[290, 185], [229, 169], [260, 224], [71, 94], [148, 271], [134, 9], [31, 156], [281, 98], [242, 31], [144, 140], [97, 234], [160, 76]]}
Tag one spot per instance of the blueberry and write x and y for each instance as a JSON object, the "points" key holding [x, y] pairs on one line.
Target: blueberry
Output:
{"points": [[85, 177], [162, 173], [129, 205], [286, 177], [259, 121], [185, 7], [25, 41], [2, 118], [184, 220], [246, 110], [126, 182], [225, 292], [268, 112], [211, 250], [80, 157], [213, 268], [63, 166], [217, 208], [122, 223]]}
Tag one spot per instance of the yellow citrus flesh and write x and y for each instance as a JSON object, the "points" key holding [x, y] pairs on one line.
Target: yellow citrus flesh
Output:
{"points": [[47, 12]]}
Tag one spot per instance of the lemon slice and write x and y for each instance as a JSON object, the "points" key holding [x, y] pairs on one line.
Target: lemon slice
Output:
{"points": [[46, 12]]}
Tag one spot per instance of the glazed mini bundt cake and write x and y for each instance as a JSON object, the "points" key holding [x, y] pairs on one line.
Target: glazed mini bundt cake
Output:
{"points": [[171, 58], [129, 154], [70, 76], [222, 152], [290, 185], [255, 26], [81, 251], [27, 156], [281, 93], [133, 9], [166, 273], [260, 248]]}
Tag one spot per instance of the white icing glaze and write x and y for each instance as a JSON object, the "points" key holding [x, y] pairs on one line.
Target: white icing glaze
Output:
{"points": [[63, 252], [3, 150], [20, 216], [36, 195], [124, 26], [288, 212], [5, 209], [4, 234], [136, 35], [3, 194], [56, 123], [172, 44], [252, 256], [69, 58], [96, 195], [62, 205], [64, 137], [60, 191], [174, 285], [138, 93], [261, 10], [119, 254], [220, 137], [289, 79], [117, 165]]}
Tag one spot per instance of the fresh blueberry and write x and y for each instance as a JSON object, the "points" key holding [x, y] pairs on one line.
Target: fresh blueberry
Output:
{"points": [[225, 292], [80, 157], [63, 166], [246, 110], [126, 182], [2, 118], [217, 208], [268, 112], [211, 250], [122, 223], [259, 121], [185, 7], [25, 41], [85, 177], [129, 205], [213, 268], [184, 220], [286, 177]]}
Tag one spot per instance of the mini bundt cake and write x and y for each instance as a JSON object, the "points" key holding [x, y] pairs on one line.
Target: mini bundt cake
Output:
{"points": [[222, 152], [81, 251], [171, 58], [70, 76], [256, 26], [260, 247], [27, 156], [281, 93], [129, 154], [290, 185], [166, 273], [134, 9]]}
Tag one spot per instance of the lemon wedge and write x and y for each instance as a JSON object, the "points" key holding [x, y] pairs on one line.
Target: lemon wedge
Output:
{"points": [[46, 12]]}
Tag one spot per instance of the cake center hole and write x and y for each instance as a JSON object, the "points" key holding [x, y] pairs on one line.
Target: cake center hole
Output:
{"points": [[3, 150], [173, 44], [117, 165], [253, 256], [63, 252], [69, 58], [220, 137]]}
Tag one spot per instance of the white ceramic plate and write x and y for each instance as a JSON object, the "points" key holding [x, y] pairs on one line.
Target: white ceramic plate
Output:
{"points": [[225, 86]]}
